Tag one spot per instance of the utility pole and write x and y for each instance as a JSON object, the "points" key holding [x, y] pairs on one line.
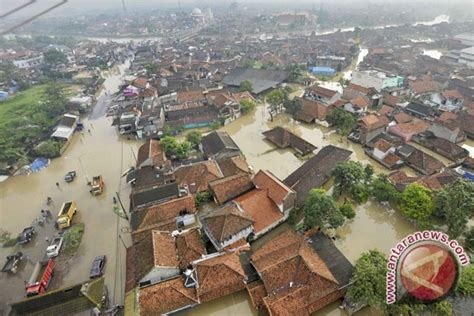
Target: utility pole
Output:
{"points": [[123, 208]]}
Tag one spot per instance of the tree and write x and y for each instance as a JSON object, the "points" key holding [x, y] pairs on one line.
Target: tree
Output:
{"points": [[49, 149], [173, 148], [466, 281], [194, 138], [215, 125], [347, 210], [417, 203], [369, 279], [383, 190], [342, 120], [54, 57], [54, 100], [293, 106], [353, 178], [321, 210], [469, 240], [454, 205], [275, 98], [247, 105], [183, 150], [246, 85]]}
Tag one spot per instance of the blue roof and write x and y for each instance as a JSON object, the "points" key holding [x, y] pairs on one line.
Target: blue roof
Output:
{"points": [[38, 164], [322, 69]]}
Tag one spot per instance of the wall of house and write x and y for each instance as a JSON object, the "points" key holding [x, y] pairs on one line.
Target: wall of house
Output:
{"points": [[443, 132], [366, 136], [274, 225], [158, 274], [367, 80], [289, 202], [243, 234]]}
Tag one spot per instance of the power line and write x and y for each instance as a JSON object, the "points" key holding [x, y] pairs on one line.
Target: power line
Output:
{"points": [[17, 9]]}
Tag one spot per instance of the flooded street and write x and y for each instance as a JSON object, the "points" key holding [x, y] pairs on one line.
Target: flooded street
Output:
{"points": [[22, 198]]}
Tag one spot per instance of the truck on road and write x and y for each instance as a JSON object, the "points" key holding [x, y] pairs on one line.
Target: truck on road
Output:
{"points": [[40, 278], [11, 265], [66, 214], [97, 185]]}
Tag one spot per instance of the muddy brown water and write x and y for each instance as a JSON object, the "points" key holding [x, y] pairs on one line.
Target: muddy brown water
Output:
{"points": [[22, 197]]}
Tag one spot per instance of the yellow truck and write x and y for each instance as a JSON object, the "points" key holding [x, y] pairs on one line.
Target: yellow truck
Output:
{"points": [[97, 185], [65, 214]]}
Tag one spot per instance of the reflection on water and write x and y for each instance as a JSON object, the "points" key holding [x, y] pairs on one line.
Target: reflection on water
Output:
{"points": [[237, 304]]}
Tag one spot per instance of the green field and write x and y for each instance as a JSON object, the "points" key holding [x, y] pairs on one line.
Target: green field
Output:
{"points": [[23, 121]]}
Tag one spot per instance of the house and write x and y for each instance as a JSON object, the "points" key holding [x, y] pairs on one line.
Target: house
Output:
{"points": [[435, 181], [424, 163], [316, 171], [154, 195], [467, 57], [442, 146], [448, 100], [218, 145], [261, 80], [376, 79], [195, 178], [227, 225], [228, 188], [190, 247], [148, 177], [163, 217], [283, 138], [368, 127], [384, 152], [228, 107], [298, 275], [71, 300], [151, 154], [190, 114], [451, 122], [313, 112], [65, 128], [419, 110], [358, 105], [324, 95], [166, 297], [233, 165], [422, 87], [449, 129], [268, 204], [407, 130]]}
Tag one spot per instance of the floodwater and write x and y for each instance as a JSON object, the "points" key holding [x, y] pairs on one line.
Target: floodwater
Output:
{"points": [[433, 53], [101, 151]]}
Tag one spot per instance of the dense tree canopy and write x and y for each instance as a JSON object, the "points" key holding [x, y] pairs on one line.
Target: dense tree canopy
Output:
{"points": [[194, 138], [247, 105], [321, 210], [54, 56], [454, 206], [293, 106], [246, 85], [383, 190], [466, 281], [173, 148], [353, 178], [417, 203], [342, 120]]}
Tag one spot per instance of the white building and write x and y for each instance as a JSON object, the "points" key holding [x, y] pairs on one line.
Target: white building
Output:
{"points": [[376, 79], [467, 57], [466, 39], [30, 62]]}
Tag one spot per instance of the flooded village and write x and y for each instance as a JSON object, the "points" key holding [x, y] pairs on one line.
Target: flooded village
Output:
{"points": [[230, 164]]}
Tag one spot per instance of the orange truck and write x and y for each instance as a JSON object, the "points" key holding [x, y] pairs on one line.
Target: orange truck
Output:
{"points": [[97, 185]]}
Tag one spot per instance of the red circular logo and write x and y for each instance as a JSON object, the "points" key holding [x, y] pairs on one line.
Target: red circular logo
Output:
{"points": [[428, 272]]}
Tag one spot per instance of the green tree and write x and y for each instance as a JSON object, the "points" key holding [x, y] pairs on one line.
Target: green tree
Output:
{"points": [[442, 308], [469, 240], [54, 57], [54, 100], [293, 107], [383, 190], [247, 105], [49, 149], [353, 178], [368, 279], [454, 205], [215, 125], [275, 98], [246, 85], [417, 203], [183, 150], [194, 138], [347, 211], [342, 120], [321, 210], [169, 145], [466, 281]]}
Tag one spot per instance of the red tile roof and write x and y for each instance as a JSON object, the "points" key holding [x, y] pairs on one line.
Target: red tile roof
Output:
{"points": [[227, 188], [152, 150], [403, 117], [164, 250], [382, 145], [190, 247], [323, 92], [312, 110], [198, 175], [423, 86], [355, 87], [233, 165], [276, 189], [192, 95], [164, 297]]}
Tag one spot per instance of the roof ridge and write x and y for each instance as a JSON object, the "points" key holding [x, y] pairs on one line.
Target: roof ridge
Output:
{"points": [[186, 295]]}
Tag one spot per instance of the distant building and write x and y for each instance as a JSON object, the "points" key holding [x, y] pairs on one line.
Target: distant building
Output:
{"points": [[324, 71], [466, 39], [376, 79], [66, 127], [467, 57]]}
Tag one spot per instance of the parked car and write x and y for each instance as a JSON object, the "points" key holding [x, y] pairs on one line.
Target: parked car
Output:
{"points": [[26, 235], [11, 265], [69, 177], [53, 249], [98, 266]]}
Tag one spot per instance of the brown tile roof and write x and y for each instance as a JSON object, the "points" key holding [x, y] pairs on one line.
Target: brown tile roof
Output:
{"points": [[226, 222], [439, 180], [391, 99], [423, 86], [424, 162], [257, 292], [233, 165], [385, 110], [219, 276], [152, 150], [360, 102], [323, 92], [407, 130], [402, 117], [295, 277], [391, 159], [164, 297], [245, 95], [372, 121], [276, 189], [164, 250], [283, 138], [190, 247], [144, 260], [198, 175], [140, 83], [312, 110], [130, 278], [358, 88], [227, 188], [382, 145], [161, 213], [191, 95], [260, 207], [452, 94]]}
